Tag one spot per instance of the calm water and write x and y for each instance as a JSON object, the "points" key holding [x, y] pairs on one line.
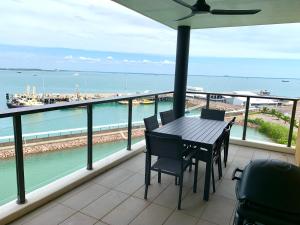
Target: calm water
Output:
{"points": [[41, 169], [66, 82]]}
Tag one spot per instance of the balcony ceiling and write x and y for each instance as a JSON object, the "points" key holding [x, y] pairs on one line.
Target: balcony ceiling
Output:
{"points": [[167, 11]]}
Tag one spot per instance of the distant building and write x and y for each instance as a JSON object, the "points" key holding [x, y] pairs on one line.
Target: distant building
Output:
{"points": [[254, 102]]}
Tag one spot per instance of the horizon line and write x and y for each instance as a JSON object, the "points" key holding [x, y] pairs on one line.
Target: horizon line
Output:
{"points": [[155, 74]]}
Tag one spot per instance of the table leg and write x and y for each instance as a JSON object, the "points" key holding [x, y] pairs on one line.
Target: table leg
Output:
{"points": [[208, 174]]}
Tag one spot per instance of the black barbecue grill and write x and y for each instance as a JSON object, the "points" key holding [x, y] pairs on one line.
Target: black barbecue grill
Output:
{"points": [[268, 192]]}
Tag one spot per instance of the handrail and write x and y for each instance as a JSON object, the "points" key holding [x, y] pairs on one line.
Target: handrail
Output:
{"points": [[245, 96], [67, 105], [247, 106], [18, 112]]}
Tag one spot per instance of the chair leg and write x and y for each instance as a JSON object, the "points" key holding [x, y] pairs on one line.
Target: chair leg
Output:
{"points": [[220, 167], [195, 176], [226, 146], [147, 180], [213, 178], [146, 191], [159, 177], [180, 191]]}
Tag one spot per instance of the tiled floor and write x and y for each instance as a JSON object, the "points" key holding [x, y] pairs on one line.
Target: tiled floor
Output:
{"points": [[116, 197]]}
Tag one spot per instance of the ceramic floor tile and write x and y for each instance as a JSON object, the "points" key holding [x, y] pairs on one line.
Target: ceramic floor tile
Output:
{"points": [[113, 177], [260, 154], [153, 190], [28, 217], [169, 197], [179, 218], [226, 189], [79, 219], [53, 216], [85, 197], [104, 204], [125, 212], [152, 215], [219, 210], [203, 222], [193, 204], [132, 184]]}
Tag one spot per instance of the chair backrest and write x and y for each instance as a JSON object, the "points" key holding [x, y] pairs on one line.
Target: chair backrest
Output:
{"points": [[230, 124], [221, 139], [167, 116], [213, 114], [164, 145], [151, 123]]}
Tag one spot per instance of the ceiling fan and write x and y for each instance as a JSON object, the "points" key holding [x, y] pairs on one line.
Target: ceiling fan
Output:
{"points": [[201, 7]]}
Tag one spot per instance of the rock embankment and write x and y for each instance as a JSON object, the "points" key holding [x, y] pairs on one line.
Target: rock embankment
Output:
{"points": [[63, 143]]}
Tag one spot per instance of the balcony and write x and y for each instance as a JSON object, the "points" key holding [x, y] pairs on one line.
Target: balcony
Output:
{"points": [[111, 189], [116, 196]]}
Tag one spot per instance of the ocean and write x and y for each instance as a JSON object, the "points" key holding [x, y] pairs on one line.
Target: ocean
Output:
{"points": [[15, 81]]}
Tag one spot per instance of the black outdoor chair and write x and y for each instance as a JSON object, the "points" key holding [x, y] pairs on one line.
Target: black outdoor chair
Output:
{"points": [[167, 116], [169, 149], [217, 151], [216, 159], [213, 114], [226, 140], [151, 123]]}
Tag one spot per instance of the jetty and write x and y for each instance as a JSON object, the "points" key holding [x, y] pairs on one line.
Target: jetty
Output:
{"points": [[31, 98]]}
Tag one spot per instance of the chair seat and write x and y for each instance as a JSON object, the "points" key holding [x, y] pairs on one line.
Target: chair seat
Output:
{"points": [[169, 166]]}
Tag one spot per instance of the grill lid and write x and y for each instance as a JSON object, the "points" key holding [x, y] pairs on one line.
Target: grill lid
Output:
{"points": [[271, 184]]}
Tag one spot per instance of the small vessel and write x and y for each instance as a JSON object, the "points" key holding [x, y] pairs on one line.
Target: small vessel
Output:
{"points": [[197, 89], [285, 81], [146, 101], [125, 102], [264, 93]]}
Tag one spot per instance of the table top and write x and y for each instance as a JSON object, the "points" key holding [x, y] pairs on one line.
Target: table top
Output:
{"points": [[196, 130]]}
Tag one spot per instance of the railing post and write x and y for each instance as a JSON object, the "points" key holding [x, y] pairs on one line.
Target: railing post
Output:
{"points": [[156, 105], [246, 118], [207, 100], [89, 137], [19, 159], [129, 124], [292, 122]]}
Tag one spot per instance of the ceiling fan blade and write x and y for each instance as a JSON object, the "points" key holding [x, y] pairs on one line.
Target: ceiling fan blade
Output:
{"points": [[180, 2], [186, 17], [234, 11]]}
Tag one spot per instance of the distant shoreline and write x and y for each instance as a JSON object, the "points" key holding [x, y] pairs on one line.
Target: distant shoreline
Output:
{"points": [[141, 73]]}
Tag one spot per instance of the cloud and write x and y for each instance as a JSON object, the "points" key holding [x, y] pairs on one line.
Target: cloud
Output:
{"points": [[89, 59], [68, 57], [107, 26], [81, 58], [147, 61]]}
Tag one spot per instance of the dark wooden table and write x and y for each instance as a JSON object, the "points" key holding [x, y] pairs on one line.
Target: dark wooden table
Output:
{"points": [[202, 133]]}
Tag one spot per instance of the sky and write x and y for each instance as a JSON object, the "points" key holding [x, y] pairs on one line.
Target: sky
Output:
{"points": [[101, 35]]}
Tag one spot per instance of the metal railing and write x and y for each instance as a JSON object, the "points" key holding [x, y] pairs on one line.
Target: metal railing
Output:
{"points": [[247, 106], [17, 113]]}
